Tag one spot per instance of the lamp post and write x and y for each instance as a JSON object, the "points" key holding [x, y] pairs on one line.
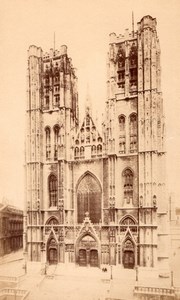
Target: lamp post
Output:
{"points": [[172, 279], [111, 273], [136, 274]]}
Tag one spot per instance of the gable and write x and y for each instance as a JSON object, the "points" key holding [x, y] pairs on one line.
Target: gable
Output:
{"points": [[88, 142]]}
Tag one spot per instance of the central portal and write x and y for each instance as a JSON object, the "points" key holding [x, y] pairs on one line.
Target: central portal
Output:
{"points": [[88, 252]]}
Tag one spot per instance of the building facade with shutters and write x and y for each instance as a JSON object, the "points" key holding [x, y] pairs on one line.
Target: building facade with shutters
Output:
{"points": [[97, 198]]}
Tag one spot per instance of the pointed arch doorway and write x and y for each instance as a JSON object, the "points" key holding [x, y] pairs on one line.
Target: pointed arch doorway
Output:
{"points": [[128, 254], [52, 252], [87, 251]]}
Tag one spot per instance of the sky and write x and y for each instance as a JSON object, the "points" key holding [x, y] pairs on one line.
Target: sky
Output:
{"points": [[84, 26]]}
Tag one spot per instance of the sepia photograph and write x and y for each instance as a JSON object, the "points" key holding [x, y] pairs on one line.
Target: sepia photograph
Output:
{"points": [[90, 150]]}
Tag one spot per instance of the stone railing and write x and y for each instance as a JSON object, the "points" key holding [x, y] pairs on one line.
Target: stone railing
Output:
{"points": [[21, 294], [177, 292], [154, 291], [9, 278]]}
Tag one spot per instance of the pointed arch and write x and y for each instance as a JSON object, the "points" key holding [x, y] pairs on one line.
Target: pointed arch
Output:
{"points": [[56, 129], [133, 130], [52, 250], [53, 220], [128, 219], [53, 189], [129, 252], [122, 120], [122, 136], [89, 194], [48, 142], [128, 222], [128, 178]]}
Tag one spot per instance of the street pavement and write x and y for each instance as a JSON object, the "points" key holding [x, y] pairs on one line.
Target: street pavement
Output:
{"points": [[71, 282]]}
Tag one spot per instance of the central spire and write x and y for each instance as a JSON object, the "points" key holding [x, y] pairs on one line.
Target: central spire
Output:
{"points": [[88, 105]]}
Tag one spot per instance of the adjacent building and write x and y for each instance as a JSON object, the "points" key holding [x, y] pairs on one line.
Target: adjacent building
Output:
{"points": [[11, 229], [97, 197]]}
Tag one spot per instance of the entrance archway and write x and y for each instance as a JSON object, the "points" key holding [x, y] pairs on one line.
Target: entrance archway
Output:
{"points": [[87, 252], [128, 254], [52, 253]]}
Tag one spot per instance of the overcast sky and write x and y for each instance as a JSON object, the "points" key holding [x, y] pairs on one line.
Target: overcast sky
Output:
{"points": [[84, 26]]}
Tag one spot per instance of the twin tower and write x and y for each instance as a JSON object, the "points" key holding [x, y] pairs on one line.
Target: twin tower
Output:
{"points": [[97, 198]]}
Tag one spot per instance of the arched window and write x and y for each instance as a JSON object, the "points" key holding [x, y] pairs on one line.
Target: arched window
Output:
{"points": [[128, 222], [121, 67], [89, 199], [128, 185], [133, 68], [46, 104], [93, 150], [133, 132], [99, 149], [53, 188], [87, 136], [48, 142], [52, 221], [82, 152], [122, 138], [76, 152], [121, 123], [56, 100], [87, 120], [56, 138]]}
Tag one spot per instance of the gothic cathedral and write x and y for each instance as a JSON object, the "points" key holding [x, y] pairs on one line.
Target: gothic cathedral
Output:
{"points": [[97, 198]]}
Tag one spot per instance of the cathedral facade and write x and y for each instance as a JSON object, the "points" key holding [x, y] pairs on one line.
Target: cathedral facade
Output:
{"points": [[97, 198]]}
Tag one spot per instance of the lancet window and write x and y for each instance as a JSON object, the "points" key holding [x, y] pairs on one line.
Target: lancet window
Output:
{"points": [[48, 143], [56, 138], [122, 138], [121, 67], [128, 185], [133, 132], [133, 68], [53, 188]]}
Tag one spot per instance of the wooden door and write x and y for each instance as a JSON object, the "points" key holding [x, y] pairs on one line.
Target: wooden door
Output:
{"points": [[128, 259], [52, 256], [94, 258], [82, 257]]}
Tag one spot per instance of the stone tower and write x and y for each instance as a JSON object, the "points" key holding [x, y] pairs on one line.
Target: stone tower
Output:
{"points": [[134, 134], [97, 199], [52, 116]]}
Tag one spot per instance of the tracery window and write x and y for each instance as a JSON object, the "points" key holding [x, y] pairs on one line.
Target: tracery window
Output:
{"points": [[52, 221], [128, 185], [128, 222], [133, 132], [48, 143], [53, 188], [89, 199]]}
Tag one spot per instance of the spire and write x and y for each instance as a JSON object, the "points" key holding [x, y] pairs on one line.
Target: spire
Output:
{"points": [[132, 24], [54, 42], [88, 108]]}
